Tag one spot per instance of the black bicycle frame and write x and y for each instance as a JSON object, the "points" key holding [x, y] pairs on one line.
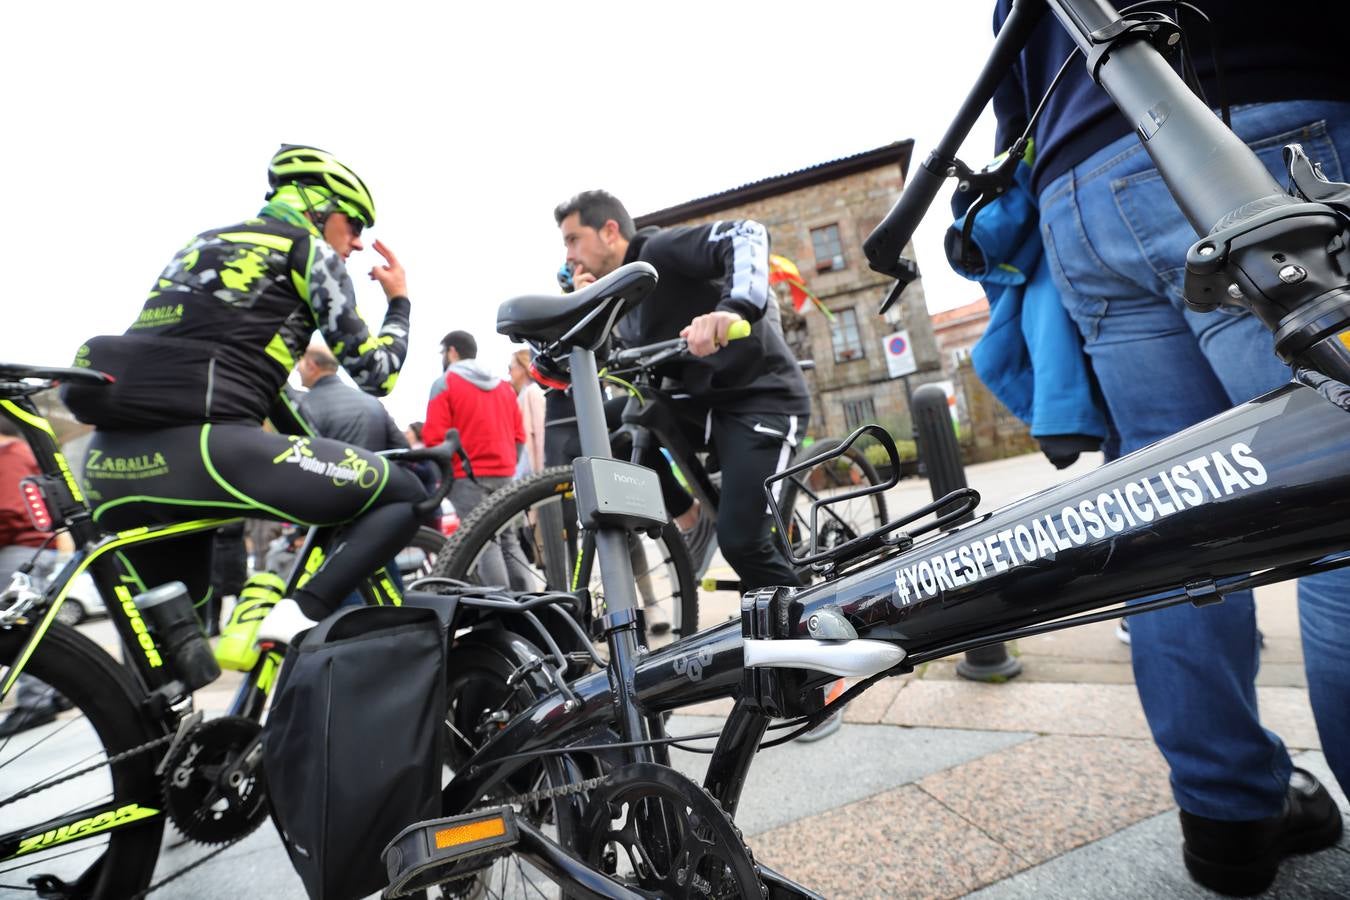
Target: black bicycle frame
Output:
{"points": [[1263, 488]]}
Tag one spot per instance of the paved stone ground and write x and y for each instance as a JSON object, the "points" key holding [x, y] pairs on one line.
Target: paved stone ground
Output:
{"points": [[935, 787]]}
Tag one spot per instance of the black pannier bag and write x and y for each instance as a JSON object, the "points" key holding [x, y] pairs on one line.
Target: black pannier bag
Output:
{"points": [[354, 744]]}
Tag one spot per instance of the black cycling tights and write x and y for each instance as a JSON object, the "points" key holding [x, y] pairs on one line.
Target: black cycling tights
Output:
{"points": [[207, 471]]}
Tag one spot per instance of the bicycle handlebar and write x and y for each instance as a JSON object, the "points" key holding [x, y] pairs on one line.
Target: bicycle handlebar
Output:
{"points": [[443, 455], [637, 357]]}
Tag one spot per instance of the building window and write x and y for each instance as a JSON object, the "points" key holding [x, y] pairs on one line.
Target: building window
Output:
{"points": [[829, 252], [847, 339], [858, 413]]}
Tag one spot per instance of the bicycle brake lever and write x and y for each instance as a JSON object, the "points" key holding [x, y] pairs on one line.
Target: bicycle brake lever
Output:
{"points": [[1312, 185]]}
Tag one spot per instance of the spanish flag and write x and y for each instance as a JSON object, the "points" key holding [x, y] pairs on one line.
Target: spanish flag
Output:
{"points": [[782, 269]]}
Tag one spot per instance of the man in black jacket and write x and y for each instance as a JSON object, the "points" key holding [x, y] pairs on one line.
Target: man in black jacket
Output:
{"points": [[335, 410], [747, 399]]}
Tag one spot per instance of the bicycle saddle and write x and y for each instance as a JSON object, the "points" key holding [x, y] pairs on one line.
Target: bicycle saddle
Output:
{"points": [[18, 372], [582, 319]]}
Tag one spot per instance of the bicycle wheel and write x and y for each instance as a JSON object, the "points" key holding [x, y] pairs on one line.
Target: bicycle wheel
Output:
{"points": [[838, 522], [482, 698], [117, 860], [531, 526]]}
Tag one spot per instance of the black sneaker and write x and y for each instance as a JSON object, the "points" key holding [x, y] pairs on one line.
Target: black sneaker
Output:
{"points": [[702, 543], [1241, 858]]}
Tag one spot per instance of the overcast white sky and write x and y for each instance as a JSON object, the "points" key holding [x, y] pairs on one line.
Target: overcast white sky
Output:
{"points": [[131, 127]]}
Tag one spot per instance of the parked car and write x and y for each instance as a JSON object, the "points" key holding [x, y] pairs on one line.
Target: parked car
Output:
{"points": [[82, 602]]}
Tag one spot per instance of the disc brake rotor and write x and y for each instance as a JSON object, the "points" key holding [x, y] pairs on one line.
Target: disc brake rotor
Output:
{"points": [[206, 797], [654, 829]]}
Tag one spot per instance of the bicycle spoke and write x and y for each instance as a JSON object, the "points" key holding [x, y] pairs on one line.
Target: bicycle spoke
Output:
{"points": [[529, 882], [54, 777], [65, 723], [47, 858]]}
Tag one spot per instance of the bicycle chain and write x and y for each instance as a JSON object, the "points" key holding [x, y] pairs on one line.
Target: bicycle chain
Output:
{"points": [[110, 761], [579, 787]]}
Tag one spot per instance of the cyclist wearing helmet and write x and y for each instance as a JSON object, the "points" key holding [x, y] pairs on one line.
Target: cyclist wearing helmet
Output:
{"points": [[179, 432]]}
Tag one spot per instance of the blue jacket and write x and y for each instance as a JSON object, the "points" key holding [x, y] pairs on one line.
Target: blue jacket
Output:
{"points": [[1031, 355]]}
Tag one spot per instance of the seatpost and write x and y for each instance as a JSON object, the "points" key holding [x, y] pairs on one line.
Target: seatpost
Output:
{"points": [[616, 566]]}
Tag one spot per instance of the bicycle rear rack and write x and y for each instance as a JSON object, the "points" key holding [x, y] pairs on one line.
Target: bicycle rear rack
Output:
{"points": [[946, 510]]}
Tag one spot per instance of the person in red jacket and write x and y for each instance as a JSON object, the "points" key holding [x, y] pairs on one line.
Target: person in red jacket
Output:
{"points": [[484, 409]]}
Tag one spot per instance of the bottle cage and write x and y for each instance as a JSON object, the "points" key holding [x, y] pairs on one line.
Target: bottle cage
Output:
{"points": [[947, 510]]}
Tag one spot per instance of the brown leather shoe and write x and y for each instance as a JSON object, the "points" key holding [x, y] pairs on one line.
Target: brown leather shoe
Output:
{"points": [[1242, 858]]}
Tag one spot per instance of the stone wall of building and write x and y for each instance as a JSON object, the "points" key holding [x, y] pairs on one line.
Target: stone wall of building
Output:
{"points": [[855, 203]]}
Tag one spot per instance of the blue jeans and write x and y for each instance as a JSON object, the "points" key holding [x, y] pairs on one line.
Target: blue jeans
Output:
{"points": [[1116, 245]]}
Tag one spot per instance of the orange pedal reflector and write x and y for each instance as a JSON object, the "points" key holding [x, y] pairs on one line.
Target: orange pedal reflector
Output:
{"points": [[447, 849], [470, 831]]}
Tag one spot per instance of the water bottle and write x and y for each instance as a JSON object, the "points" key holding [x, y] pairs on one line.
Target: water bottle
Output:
{"points": [[168, 611]]}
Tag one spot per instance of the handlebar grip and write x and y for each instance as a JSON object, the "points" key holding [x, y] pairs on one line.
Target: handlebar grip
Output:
{"points": [[738, 330], [887, 241]]}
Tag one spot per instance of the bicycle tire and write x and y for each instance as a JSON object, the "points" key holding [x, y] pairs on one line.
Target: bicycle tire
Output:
{"points": [[497, 512], [862, 514], [480, 669], [103, 694]]}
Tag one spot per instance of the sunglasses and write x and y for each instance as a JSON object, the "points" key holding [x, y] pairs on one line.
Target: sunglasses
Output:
{"points": [[356, 226]]}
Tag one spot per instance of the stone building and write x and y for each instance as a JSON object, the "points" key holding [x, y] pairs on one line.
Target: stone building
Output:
{"points": [[959, 329], [989, 430], [818, 217]]}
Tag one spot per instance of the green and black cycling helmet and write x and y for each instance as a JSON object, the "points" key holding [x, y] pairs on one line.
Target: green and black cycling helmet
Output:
{"points": [[322, 183]]}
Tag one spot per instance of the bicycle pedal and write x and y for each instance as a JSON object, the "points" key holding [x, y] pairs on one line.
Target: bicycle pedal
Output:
{"points": [[440, 850]]}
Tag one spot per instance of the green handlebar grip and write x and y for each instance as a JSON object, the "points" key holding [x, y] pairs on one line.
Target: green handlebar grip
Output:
{"points": [[739, 329]]}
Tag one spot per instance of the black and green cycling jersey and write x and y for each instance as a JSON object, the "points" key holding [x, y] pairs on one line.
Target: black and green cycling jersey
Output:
{"points": [[225, 323]]}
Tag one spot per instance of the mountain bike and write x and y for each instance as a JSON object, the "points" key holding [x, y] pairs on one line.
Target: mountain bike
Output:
{"points": [[1256, 495], [83, 800], [533, 522]]}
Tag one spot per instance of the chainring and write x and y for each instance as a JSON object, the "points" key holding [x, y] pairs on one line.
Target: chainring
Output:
{"points": [[655, 830], [197, 796]]}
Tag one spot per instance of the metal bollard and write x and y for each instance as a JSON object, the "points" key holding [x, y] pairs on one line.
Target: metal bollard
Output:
{"points": [[936, 437]]}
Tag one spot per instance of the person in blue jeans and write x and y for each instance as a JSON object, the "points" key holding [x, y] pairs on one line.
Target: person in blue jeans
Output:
{"points": [[1116, 244]]}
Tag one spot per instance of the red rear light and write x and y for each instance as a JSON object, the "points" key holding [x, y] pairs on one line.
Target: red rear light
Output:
{"points": [[547, 381], [36, 504]]}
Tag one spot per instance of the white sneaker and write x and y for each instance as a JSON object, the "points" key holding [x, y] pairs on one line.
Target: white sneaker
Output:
{"points": [[284, 622], [1123, 631]]}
